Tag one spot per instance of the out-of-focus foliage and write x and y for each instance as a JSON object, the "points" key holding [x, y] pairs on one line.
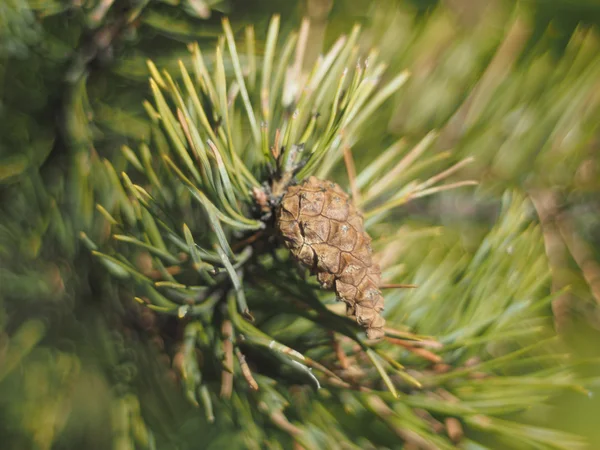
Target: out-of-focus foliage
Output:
{"points": [[81, 366]]}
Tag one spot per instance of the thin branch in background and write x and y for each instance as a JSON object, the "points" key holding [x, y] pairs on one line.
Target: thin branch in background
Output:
{"points": [[402, 334], [248, 241], [246, 372], [581, 253], [227, 364], [546, 205], [421, 352], [339, 352], [279, 420], [437, 426], [156, 274], [454, 429], [424, 343]]}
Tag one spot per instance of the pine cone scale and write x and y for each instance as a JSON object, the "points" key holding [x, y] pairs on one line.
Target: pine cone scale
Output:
{"points": [[343, 236], [291, 205]]}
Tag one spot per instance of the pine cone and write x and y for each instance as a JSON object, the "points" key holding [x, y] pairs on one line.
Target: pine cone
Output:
{"points": [[325, 232]]}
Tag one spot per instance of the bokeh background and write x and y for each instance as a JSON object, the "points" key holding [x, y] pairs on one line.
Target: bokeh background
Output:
{"points": [[516, 85]]}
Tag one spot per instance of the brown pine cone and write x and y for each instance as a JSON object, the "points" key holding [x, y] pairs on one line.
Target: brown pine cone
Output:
{"points": [[325, 232]]}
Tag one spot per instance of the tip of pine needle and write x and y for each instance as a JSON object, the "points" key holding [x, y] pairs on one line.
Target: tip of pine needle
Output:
{"points": [[248, 315]]}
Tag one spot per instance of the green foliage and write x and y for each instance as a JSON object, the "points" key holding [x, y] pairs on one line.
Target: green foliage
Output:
{"points": [[140, 309]]}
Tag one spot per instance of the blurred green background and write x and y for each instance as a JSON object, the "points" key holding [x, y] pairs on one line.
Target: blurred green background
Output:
{"points": [[515, 85]]}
